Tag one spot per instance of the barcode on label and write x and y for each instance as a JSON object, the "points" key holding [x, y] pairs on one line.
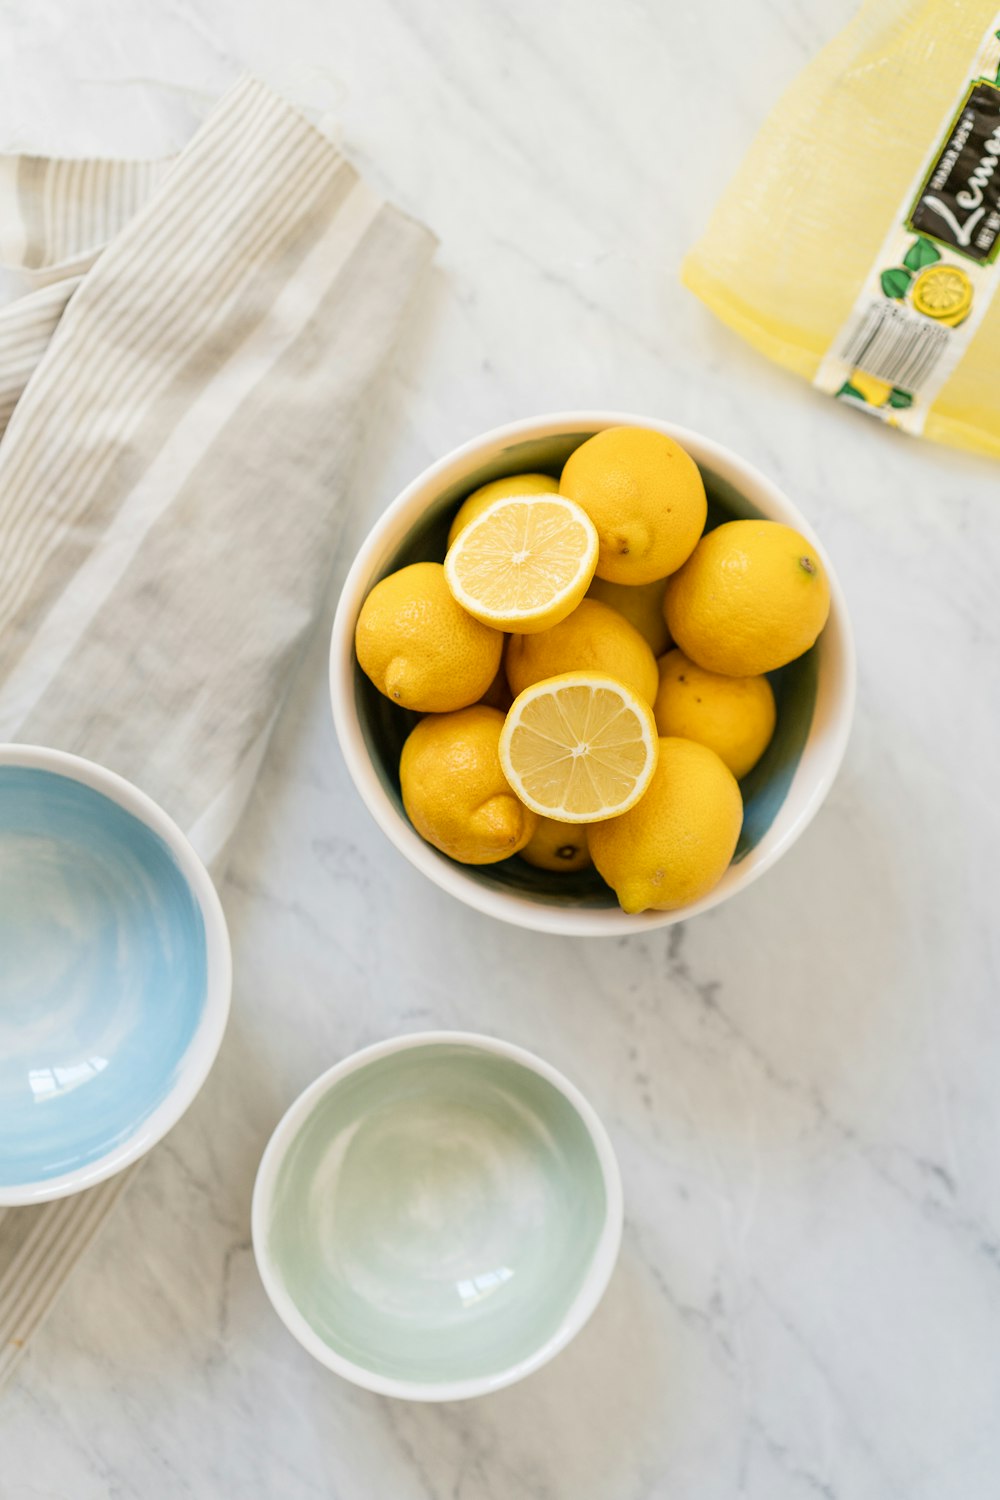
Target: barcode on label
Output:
{"points": [[895, 345]]}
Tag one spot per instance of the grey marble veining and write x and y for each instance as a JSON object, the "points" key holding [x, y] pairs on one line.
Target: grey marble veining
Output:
{"points": [[801, 1085]]}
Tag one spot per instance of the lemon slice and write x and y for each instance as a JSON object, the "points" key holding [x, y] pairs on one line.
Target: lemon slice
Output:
{"points": [[579, 747], [943, 292], [525, 563]]}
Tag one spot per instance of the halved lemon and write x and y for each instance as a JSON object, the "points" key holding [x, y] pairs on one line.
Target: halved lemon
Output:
{"points": [[579, 747], [525, 563]]}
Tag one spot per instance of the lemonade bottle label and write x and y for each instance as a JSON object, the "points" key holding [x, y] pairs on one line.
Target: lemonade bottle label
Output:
{"points": [[936, 271]]}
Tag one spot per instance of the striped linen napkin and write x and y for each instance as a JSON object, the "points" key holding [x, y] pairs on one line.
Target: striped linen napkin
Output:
{"points": [[181, 393]]}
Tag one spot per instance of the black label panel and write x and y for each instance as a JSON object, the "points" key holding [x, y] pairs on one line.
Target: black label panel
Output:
{"points": [[959, 204]]}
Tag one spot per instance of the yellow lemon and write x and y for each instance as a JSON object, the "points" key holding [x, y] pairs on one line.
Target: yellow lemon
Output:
{"points": [[642, 606], [734, 716], [594, 638], [752, 596], [646, 497], [524, 563], [499, 489], [454, 790], [579, 747], [558, 846], [676, 844], [420, 647]]}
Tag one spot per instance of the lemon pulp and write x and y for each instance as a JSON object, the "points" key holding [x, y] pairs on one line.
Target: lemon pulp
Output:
{"points": [[579, 747], [524, 564]]}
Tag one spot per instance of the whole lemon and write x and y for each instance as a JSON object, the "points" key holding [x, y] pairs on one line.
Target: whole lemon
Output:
{"points": [[454, 791], [734, 716], [499, 489], [642, 606], [646, 497], [676, 843], [752, 596], [594, 638], [420, 648], [558, 846]]}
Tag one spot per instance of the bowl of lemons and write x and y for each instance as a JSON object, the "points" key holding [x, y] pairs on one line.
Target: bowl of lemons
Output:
{"points": [[592, 673]]}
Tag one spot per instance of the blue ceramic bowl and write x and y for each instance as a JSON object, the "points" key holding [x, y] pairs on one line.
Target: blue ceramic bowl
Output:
{"points": [[815, 695], [114, 974]]}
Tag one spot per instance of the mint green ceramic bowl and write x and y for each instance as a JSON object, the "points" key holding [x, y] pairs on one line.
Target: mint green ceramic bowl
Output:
{"points": [[437, 1216]]}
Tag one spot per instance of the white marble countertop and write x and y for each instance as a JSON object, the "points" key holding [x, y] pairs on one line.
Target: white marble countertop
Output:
{"points": [[801, 1086]]}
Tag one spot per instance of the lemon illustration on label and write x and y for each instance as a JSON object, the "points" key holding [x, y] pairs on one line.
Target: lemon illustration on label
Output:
{"points": [[944, 293], [879, 395], [874, 392]]}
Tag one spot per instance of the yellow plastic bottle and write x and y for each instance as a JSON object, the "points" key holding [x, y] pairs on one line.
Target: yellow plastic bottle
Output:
{"points": [[859, 242]]}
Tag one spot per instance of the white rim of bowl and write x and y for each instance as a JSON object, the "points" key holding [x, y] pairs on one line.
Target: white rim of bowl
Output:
{"points": [[583, 1305], [204, 1045], [510, 906]]}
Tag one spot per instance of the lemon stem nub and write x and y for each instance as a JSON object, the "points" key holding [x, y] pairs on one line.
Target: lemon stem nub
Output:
{"points": [[808, 564]]}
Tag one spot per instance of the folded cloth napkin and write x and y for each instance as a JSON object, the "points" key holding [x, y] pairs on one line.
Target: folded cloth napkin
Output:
{"points": [[182, 392]]}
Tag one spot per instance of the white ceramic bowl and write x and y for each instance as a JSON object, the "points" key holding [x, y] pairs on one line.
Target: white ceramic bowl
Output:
{"points": [[781, 795], [437, 1216], [115, 974]]}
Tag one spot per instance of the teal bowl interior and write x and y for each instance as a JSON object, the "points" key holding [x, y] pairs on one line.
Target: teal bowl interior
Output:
{"points": [[385, 726], [104, 980], [435, 1215]]}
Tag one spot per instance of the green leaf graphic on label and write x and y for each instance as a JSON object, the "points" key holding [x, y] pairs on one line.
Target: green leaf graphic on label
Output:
{"points": [[921, 253], [899, 398], [896, 283], [847, 389]]}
